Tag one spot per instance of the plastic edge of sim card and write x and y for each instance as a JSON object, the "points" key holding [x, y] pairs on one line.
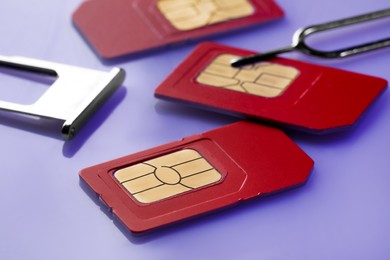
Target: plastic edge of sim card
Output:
{"points": [[253, 159], [72, 98], [320, 100], [110, 26]]}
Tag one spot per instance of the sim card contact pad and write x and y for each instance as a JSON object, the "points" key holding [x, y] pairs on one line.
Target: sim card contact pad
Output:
{"points": [[263, 79], [225, 166], [167, 175], [303, 96], [111, 25], [175, 17], [202, 76], [207, 153], [190, 15]]}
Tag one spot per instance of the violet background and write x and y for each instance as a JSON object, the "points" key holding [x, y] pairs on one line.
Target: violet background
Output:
{"points": [[342, 212]]}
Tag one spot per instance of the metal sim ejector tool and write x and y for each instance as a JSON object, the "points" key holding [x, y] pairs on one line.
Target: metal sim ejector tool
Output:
{"points": [[72, 98], [298, 41]]}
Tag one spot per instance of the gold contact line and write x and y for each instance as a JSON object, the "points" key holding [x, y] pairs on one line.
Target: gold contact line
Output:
{"points": [[194, 6], [239, 70], [168, 184], [147, 183], [233, 84], [233, 77], [266, 73], [222, 64], [232, 7], [141, 176], [243, 88], [197, 173], [137, 177], [241, 85], [190, 188], [170, 167], [184, 162], [265, 85], [281, 76], [218, 13], [148, 189]]}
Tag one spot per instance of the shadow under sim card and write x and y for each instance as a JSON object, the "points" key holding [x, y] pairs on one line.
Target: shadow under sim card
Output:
{"points": [[119, 27], [198, 174], [288, 92]]}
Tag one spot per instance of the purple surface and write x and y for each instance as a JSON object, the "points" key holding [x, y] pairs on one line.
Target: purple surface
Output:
{"points": [[341, 213]]}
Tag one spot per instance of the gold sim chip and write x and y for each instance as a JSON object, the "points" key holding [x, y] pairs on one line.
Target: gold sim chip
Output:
{"points": [[263, 79], [191, 14], [167, 176]]}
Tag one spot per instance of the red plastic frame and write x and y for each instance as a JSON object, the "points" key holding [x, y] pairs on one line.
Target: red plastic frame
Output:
{"points": [[320, 98], [253, 160], [119, 27]]}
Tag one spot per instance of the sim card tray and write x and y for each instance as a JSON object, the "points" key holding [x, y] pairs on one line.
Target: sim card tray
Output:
{"points": [[72, 98]]}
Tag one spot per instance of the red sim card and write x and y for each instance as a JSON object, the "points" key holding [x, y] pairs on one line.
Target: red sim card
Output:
{"points": [[300, 95], [198, 174], [119, 27]]}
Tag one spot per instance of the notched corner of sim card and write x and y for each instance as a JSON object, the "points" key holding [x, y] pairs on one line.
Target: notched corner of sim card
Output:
{"points": [[95, 195]]}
